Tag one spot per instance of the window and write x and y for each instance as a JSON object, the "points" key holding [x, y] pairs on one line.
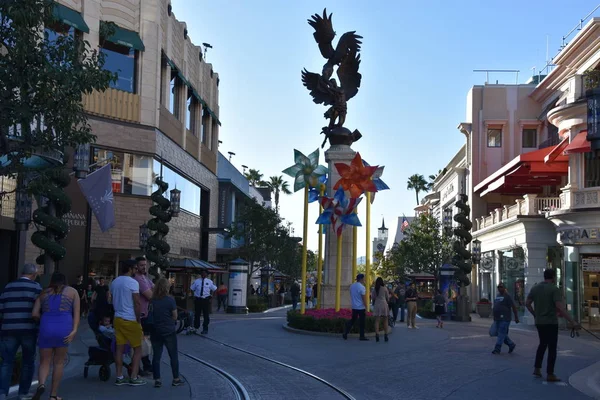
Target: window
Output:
{"points": [[190, 192], [529, 137], [494, 137], [174, 86], [131, 173], [215, 135], [591, 170], [204, 130], [190, 118], [120, 60], [56, 30]]}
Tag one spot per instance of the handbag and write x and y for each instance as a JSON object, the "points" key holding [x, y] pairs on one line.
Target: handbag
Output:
{"points": [[149, 320], [494, 329], [146, 347]]}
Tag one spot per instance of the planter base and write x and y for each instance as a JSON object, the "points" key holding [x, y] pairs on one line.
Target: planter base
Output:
{"points": [[350, 335]]}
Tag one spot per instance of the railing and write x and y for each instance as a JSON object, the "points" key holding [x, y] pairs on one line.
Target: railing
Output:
{"points": [[552, 141], [113, 103], [528, 205]]}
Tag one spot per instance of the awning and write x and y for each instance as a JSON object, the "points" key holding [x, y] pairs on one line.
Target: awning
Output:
{"points": [[579, 144], [193, 266], [528, 173], [125, 37], [70, 17]]}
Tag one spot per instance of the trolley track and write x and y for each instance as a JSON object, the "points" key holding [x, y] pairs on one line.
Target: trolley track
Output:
{"points": [[338, 390]]}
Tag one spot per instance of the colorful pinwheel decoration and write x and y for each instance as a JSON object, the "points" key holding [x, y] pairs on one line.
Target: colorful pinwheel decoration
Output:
{"points": [[379, 184], [314, 192], [338, 211], [306, 170], [356, 177]]}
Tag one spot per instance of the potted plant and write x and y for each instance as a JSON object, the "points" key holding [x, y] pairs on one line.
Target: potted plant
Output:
{"points": [[484, 308]]}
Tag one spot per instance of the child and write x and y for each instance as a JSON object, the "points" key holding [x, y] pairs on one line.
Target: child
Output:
{"points": [[106, 328]]}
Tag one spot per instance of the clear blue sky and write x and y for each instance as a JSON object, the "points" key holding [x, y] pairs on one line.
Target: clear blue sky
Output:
{"points": [[417, 62]]}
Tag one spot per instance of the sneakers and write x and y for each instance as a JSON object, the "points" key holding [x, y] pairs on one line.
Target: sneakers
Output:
{"points": [[345, 336], [511, 348], [552, 378], [537, 372], [177, 382], [136, 382], [157, 383], [121, 381], [204, 332], [496, 351]]}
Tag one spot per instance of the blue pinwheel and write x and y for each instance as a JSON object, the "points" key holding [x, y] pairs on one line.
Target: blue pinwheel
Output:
{"points": [[306, 170], [338, 211], [314, 192]]}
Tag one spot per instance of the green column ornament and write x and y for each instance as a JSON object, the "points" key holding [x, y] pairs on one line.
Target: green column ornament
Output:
{"points": [[157, 246], [462, 257]]}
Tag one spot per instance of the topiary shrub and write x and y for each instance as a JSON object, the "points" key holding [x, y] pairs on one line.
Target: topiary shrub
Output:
{"points": [[426, 311], [327, 320], [257, 304]]}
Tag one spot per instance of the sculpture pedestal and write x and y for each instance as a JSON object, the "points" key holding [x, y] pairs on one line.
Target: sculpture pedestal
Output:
{"points": [[463, 312], [337, 154]]}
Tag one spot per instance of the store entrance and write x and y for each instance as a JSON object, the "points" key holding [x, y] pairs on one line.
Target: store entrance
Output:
{"points": [[590, 267]]}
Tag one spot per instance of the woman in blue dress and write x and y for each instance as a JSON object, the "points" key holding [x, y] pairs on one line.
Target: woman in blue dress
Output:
{"points": [[57, 308]]}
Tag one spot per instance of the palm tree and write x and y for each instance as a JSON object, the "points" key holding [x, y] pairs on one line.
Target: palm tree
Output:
{"points": [[417, 183], [254, 177], [278, 185], [432, 178]]}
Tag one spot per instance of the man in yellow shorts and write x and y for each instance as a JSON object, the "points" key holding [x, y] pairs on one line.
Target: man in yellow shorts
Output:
{"points": [[128, 329]]}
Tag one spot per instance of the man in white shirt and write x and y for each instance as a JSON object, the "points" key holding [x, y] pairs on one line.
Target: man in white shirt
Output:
{"points": [[358, 295], [202, 288], [128, 330]]}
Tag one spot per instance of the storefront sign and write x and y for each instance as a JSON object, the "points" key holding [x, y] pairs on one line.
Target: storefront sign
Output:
{"points": [[74, 220], [186, 252], [449, 192], [572, 236], [590, 263]]}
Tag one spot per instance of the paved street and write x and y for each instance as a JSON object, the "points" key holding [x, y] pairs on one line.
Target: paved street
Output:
{"points": [[429, 363]]}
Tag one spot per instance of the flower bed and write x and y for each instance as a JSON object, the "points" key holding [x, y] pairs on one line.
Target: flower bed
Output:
{"points": [[327, 320]]}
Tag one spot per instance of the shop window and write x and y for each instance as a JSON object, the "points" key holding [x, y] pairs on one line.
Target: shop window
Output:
{"points": [[131, 173], [120, 60], [174, 88], [591, 170], [190, 192], [529, 138], [494, 137]]}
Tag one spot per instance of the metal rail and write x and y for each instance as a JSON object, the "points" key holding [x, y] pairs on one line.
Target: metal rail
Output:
{"points": [[238, 389], [339, 390]]}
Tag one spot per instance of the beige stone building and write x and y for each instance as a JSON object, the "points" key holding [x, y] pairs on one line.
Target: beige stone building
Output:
{"points": [[159, 118]]}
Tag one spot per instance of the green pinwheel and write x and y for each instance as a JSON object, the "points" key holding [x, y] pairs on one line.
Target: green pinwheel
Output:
{"points": [[306, 171]]}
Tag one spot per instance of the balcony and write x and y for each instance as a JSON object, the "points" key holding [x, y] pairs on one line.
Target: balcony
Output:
{"points": [[113, 103], [529, 205]]}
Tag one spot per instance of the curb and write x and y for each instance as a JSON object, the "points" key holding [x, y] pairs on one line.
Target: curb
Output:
{"points": [[328, 334], [270, 310], [587, 380]]}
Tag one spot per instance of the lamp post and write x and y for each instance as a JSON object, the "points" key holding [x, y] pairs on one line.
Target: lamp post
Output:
{"points": [[447, 220], [23, 206], [476, 251], [175, 202], [144, 234], [81, 161], [593, 119]]}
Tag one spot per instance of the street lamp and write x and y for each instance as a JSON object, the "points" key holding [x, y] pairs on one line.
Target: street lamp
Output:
{"points": [[81, 161], [476, 251], [447, 220], [22, 207], [593, 119], [144, 235], [175, 202]]}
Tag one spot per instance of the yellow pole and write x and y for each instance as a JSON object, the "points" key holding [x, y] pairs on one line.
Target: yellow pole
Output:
{"points": [[354, 247], [320, 256], [338, 274], [368, 255], [304, 246]]}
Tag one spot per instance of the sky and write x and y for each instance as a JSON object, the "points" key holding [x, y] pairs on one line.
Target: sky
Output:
{"points": [[417, 66]]}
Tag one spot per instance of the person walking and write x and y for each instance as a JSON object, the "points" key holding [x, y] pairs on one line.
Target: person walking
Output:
{"points": [[411, 305], [80, 287], [100, 301], [503, 305], [401, 292], [18, 329], [308, 295], [127, 323], [381, 297], [281, 293], [439, 308], [146, 286], [58, 309], [295, 293], [544, 302], [315, 292], [393, 303], [202, 288], [358, 297], [222, 297], [163, 312]]}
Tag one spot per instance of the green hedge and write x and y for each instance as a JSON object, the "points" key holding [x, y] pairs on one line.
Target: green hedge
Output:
{"points": [[425, 311], [333, 325], [257, 304]]}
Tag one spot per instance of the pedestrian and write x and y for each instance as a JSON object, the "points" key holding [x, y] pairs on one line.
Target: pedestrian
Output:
{"points": [[57, 309], [380, 297], [308, 295], [127, 322], [295, 292], [401, 292], [281, 293], [164, 333], [100, 301], [439, 307], [221, 296], [202, 288], [358, 297], [544, 302], [18, 329], [411, 305], [393, 302], [87, 296], [146, 286], [315, 292], [503, 305], [80, 287]]}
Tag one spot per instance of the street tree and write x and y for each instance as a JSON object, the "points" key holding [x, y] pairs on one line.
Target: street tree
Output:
{"points": [[254, 177], [417, 183], [278, 185]]}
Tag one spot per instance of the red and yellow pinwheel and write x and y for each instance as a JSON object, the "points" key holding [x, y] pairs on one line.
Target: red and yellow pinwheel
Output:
{"points": [[356, 177]]}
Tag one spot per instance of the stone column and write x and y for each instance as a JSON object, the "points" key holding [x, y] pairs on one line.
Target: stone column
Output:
{"points": [[337, 154], [571, 279], [535, 259]]}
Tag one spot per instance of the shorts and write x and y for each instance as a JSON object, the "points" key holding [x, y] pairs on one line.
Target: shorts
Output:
{"points": [[128, 332]]}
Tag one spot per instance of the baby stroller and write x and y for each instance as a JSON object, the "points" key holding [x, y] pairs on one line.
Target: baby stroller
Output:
{"points": [[102, 354]]}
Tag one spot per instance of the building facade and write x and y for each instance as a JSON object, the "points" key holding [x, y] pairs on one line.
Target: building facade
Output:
{"points": [[160, 118]]}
